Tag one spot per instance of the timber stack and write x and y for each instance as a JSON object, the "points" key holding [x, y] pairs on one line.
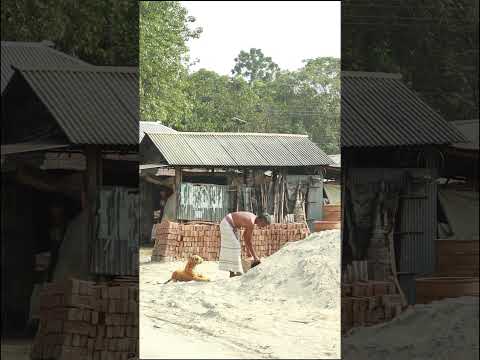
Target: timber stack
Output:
{"points": [[174, 241], [83, 320]]}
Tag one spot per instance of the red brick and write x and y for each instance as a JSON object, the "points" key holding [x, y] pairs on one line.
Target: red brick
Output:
{"points": [[94, 317], [112, 344], [93, 331], [90, 344], [99, 343], [104, 291], [109, 332], [115, 292], [77, 327], [87, 316], [81, 301], [101, 331]]}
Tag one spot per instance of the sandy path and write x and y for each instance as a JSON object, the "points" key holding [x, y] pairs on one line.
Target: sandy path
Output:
{"points": [[16, 349], [442, 330], [247, 317]]}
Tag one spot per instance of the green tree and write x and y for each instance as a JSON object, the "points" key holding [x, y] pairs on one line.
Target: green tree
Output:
{"points": [[433, 45], [218, 100], [164, 32], [320, 79], [254, 65], [99, 32], [306, 101]]}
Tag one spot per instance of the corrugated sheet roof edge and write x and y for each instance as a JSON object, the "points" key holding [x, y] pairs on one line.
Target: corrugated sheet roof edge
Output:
{"points": [[126, 71], [233, 134], [111, 69], [153, 138], [45, 46], [198, 166], [462, 122], [395, 145], [397, 78], [382, 75], [155, 122]]}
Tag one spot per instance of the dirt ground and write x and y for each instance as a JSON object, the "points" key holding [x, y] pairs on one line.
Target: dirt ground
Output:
{"points": [[239, 317], [16, 349]]}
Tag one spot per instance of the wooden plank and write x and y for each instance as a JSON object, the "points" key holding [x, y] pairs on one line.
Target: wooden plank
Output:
{"points": [[94, 181], [437, 288], [457, 257], [448, 247], [392, 256], [178, 182]]}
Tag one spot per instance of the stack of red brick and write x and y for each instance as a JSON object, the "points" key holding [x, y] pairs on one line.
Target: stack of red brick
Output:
{"points": [[168, 237], [270, 239], [366, 303], [178, 241], [82, 320]]}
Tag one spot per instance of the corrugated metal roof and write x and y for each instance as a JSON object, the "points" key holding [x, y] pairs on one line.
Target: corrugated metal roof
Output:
{"points": [[238, 150], [469, 129], [18, 148], [94, 105], [154, 127], [380, 110], [32, 55]]}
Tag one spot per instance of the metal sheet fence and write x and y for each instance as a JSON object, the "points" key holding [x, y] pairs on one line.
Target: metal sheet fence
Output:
{"points": [[118, 232], [418, 225], [314, 200], [210, 202], [207, 202], [416, 230]]}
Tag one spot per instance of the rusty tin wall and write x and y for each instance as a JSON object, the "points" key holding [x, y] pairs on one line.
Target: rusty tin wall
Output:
{"points": [[207, 202], [118, 232]]}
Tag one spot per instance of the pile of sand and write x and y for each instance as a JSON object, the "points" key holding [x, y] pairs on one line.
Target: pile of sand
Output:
{"points": [[308, 269], [286, 307], [441, 330]]}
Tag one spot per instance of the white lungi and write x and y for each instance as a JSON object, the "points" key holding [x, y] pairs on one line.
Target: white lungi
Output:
{"points": [[230, 249]]}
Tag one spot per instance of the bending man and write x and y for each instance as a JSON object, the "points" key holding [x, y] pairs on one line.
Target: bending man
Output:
{"points": [[230, 248]]}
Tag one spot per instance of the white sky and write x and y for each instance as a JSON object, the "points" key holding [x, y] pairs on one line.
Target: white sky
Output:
{"points": [[287, 31]]}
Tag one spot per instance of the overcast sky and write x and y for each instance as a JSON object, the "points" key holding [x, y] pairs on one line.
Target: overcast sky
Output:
{"points": [[288, 31]]}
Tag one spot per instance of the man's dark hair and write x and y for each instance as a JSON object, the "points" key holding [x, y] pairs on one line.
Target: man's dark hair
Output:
{"points": [[264, 217]]}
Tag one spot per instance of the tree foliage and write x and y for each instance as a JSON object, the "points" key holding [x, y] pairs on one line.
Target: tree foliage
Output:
{"points": [[257, 97], [433, 45], [217, 100], [164, 32], [254, 65], [306, 101], [99, 32]]}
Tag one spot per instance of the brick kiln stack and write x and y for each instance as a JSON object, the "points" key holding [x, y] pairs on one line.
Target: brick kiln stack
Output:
{"points": [[82, 320], [175, 241]]}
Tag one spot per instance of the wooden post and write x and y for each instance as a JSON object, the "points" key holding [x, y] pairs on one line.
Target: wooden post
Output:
{"points": [[177, 187], [93, 182]]}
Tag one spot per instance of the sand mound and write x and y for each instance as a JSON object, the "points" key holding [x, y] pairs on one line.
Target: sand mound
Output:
{"points": [[445, 329], [287, 307], [307, 268]]}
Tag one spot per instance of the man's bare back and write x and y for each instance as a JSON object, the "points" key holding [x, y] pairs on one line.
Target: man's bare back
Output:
{"points": [[247, 221], [243, 219]]}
